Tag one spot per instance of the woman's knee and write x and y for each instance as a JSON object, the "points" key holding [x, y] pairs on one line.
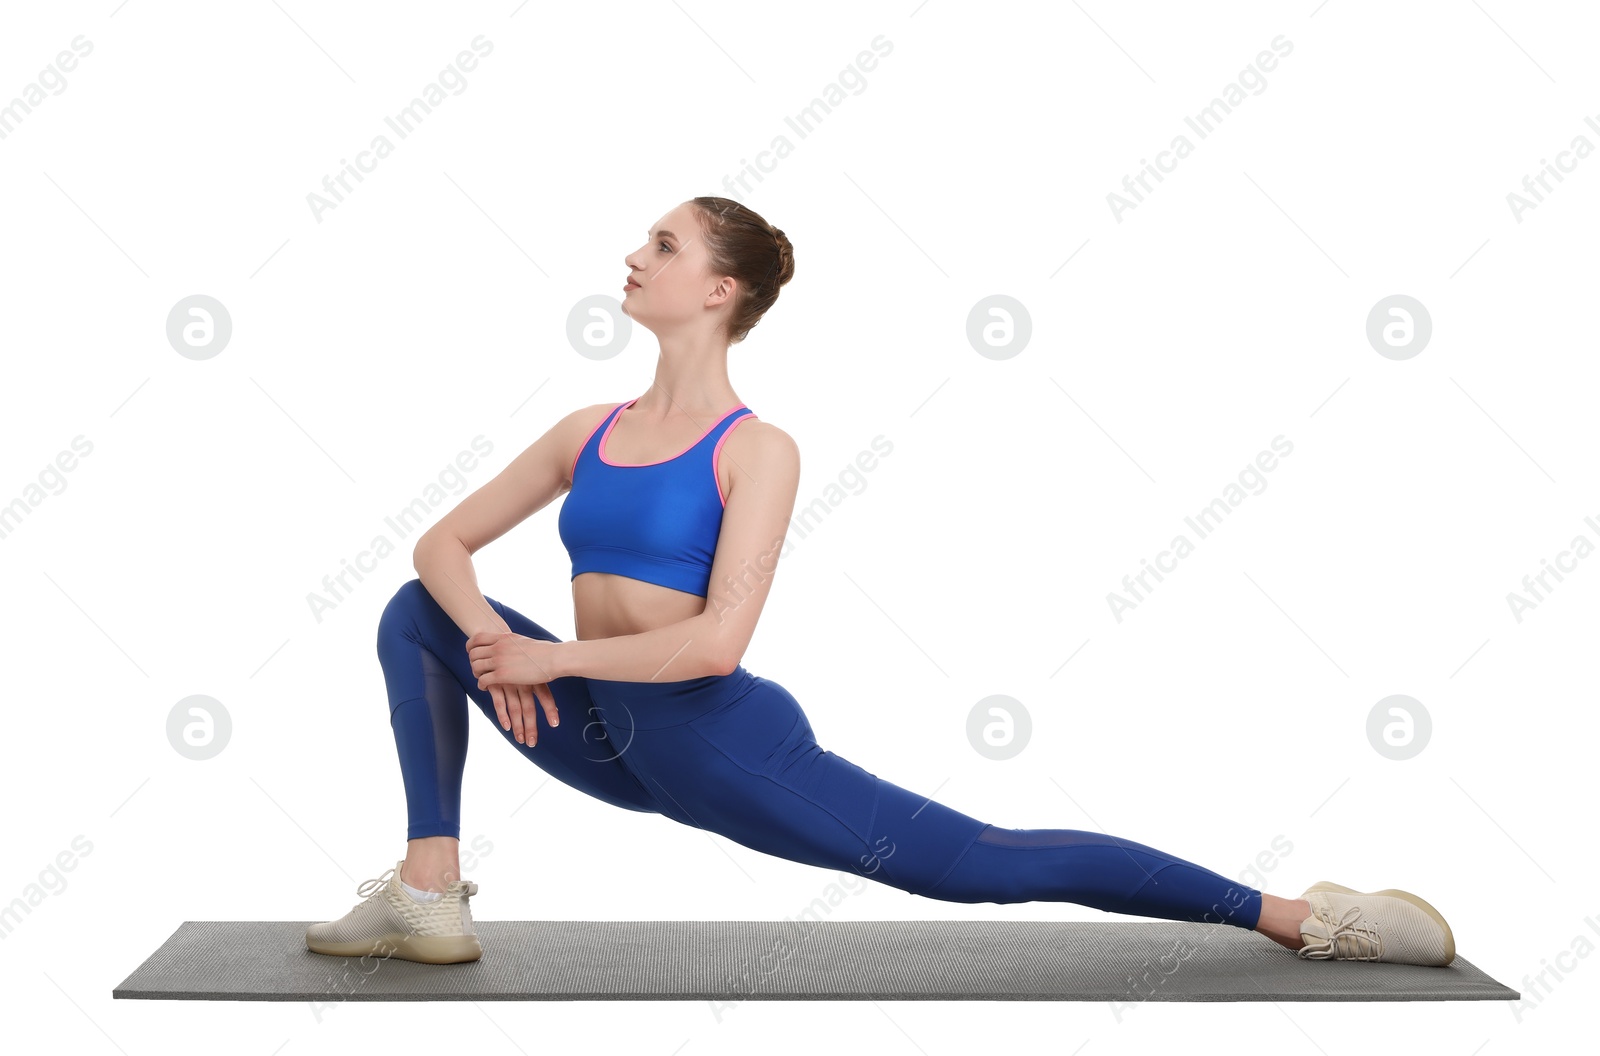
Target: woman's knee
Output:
{"points": [[412, 612], [400, 614]]}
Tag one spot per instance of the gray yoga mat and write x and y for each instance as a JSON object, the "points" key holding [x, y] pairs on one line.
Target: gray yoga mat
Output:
{"points": [[732, 960]]}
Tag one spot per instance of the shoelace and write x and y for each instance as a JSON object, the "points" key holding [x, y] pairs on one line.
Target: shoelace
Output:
{"points": [[1359, 941], [429, 915], [375, 884]]}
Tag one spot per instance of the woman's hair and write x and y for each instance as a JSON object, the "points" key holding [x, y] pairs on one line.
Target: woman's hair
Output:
{"points": [[741, 244]]}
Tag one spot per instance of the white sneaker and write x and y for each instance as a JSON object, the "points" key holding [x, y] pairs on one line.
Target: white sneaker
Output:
{"points": [[390, 923], [1389, 925]]}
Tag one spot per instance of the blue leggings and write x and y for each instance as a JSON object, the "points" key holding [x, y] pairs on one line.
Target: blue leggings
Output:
{"points": [[734, 754]]}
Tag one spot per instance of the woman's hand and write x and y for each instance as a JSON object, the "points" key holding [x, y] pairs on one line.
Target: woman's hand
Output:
{"points": [[516, 670], [517, 707]]}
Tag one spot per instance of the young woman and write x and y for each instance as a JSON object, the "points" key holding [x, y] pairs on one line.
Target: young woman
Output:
{"points": [[649, 707]]}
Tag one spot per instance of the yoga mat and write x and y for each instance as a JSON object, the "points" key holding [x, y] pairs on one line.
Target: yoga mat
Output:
{"points": [[793, 960]]}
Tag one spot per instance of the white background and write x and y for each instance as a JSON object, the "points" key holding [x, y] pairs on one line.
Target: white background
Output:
{"points": [[1169, 347]]}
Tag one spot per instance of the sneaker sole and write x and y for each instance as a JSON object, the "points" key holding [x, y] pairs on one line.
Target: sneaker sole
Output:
{"points": [[428, 949], [1415, 900]]}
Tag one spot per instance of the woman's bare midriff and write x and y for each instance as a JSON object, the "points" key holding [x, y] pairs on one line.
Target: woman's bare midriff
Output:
{"points": [[606, 605]]}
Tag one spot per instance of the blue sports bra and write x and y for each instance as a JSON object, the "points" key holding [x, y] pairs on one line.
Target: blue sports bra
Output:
{"points": [[653, 521]]}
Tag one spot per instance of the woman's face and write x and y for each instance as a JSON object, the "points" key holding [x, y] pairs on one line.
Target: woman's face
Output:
{"points": [[672, 274]]}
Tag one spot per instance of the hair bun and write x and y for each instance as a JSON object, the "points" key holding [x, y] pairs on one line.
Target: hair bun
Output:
{"points": [[744, 245]]}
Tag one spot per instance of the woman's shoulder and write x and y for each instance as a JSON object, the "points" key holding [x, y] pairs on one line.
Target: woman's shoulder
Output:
{"points": [[587, 419], [760, 438]]}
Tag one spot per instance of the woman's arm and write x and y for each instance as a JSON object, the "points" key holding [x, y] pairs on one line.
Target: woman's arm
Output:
{"points": [[532, 480], [444, 565]]}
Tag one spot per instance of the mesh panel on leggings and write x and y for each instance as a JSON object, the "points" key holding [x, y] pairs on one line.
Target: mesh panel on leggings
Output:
{"points": [[1001, 837]]}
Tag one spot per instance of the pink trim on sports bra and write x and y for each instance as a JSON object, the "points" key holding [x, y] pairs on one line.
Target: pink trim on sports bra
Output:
{"points": [[716, 453], [572, 470], [617, 417]]}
